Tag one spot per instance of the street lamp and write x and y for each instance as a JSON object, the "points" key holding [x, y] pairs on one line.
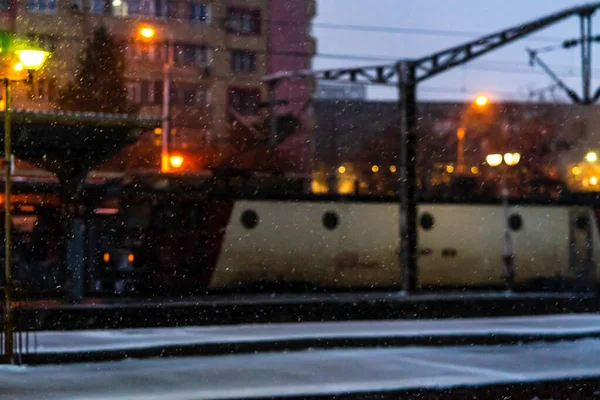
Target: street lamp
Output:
{"points": [[27, 60], [592, 156], [480, 101], [176, 161], [494, 160], [148, 33]]}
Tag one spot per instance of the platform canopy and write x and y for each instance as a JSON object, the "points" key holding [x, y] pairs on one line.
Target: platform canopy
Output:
{"points": [[71, 144]]}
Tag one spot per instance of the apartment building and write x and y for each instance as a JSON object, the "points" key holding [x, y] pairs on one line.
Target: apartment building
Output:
{"points": [[220, 51]]}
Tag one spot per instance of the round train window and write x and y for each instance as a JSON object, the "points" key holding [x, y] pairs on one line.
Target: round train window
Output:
{"points": [[582, 222], [515, 222], [427, 221], [249, 219], [330, 220]]}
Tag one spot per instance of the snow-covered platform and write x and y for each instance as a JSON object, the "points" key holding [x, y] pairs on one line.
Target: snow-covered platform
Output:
{"points": [[87, 345], [399, 373]]}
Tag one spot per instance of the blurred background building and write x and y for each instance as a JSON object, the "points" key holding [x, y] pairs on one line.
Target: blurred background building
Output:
{"points": [[220, 50]]}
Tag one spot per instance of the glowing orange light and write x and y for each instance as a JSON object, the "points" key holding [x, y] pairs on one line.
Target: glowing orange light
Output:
{"points": [[106, 257], [18, 67], [460, 133], [375, 168], [481, 101], [176, 161], [130, 258], [147, 32]]}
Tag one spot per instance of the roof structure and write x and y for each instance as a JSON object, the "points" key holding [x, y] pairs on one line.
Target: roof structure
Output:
{"points": [[71, 144]]}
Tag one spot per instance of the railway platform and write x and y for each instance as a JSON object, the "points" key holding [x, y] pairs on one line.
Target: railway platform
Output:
{"points": [[558, 370], [46, 347]]}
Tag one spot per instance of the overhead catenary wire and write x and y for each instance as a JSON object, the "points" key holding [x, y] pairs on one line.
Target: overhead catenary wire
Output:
{"points": [[489, 65]]}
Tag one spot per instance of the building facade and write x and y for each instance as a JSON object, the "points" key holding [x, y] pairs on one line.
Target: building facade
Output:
{"points": [[220, 51]]}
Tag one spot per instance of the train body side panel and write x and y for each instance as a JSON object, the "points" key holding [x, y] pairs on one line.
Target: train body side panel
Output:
{"points": [[287, 242], [292, 242], [465, 245], [370, 240]]}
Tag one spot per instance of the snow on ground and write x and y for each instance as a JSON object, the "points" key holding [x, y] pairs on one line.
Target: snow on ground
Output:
{"points": [[303, 373], [89, 340]]}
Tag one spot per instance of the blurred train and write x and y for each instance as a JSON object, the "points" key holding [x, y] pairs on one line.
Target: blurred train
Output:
{"points": [[276, 239], [178, 239]]}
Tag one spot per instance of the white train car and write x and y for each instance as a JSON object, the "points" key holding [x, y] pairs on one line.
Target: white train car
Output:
{"points": [[354, 245]]}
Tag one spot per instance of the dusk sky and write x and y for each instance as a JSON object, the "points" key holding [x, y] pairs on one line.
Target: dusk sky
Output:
{"points": [[503, 74]]}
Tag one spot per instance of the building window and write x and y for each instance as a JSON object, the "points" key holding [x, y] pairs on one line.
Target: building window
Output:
{"points": [[244, 101], [199, 12], [243, 61], [134, 92], [99, 6], [147, 92], [43, 89], [146, 51], [120, 8], [243, 21], [42, 6], [161, 8], [187, 94], [193, 55]]}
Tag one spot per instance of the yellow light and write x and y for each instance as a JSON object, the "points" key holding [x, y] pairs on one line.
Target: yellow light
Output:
{"points": [[494, 160], [449, 169], [130, 257], [176, 161], [474, 170], [512, 158], [341, 169], [576, 171], [106, 257], [375, 168], [591, 157], [516, 158], [593, 181], [460, 133], [147, 33], [117, 3], [18, 67], [157, 131], [393, 168], [481, 101], [32, 59]]}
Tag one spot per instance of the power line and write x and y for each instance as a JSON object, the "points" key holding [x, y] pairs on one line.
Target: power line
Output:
{"points": [[419, 31], [486, 66]]}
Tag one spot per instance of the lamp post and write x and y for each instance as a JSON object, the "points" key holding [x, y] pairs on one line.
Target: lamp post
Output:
{"points": [[148, 33], [28, 61], [495, 160], [480, 102]]}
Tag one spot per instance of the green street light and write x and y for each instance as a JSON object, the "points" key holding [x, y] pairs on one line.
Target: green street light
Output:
{"points": [[21, 57]]}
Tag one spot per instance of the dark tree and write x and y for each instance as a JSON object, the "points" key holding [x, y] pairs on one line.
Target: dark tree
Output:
{"points": [[99, 82]]}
